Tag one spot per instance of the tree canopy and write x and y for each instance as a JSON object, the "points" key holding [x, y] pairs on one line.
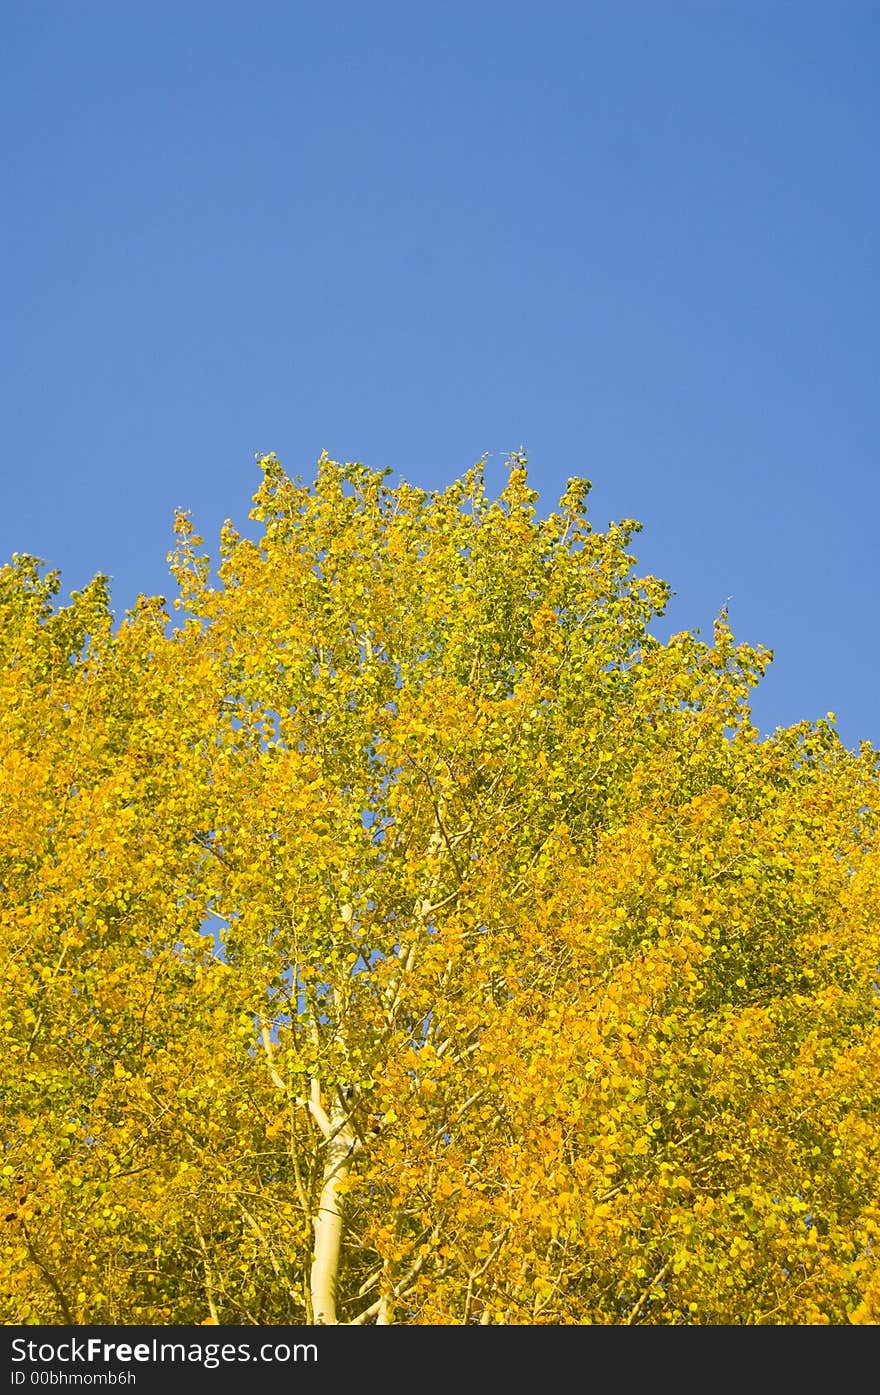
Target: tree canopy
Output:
{"points": [[395, 931]]}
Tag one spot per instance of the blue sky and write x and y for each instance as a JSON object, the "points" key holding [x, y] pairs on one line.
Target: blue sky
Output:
{"points": [[638, 239]]}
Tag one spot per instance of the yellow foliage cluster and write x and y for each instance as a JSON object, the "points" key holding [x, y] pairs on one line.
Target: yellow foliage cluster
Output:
{"points": [[405, 879]]}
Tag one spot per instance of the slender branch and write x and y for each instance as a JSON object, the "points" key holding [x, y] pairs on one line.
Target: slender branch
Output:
{"points": [[50, 1278], [267, 1046], [209, 1284], [313, 1103], [645, 1295], [400, 1289], [472, 1099], [297, 1176]]}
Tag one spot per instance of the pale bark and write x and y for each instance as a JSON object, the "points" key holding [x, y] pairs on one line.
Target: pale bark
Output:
{"points": [[209, 1282], [328, 1221]]}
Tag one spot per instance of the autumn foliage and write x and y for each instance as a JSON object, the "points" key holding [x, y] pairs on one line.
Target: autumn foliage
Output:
{"points": [[394, 931]]}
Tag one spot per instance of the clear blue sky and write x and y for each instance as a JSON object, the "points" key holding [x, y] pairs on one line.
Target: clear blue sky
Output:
{"points": [[638, 239]]}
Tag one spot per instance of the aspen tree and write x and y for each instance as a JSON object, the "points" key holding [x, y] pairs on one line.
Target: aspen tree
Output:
{"points": [[395, 931]]}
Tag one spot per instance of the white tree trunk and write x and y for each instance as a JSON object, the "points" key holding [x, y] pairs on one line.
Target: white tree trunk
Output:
{"points": [[328, 1222]]}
